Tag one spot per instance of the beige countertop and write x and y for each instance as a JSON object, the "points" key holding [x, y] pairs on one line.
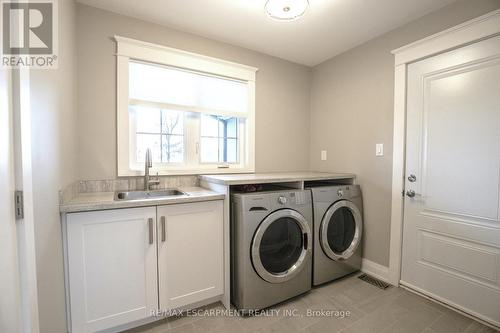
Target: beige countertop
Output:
{"points": [[105, 200], [278, 177]]}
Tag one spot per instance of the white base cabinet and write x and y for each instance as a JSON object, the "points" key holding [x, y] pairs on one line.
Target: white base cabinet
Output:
{"points": [[112, 267], [190, 253], [123, 265]]}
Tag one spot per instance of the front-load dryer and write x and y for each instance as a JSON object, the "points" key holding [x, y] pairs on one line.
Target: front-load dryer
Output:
{"points": [[338, 229], [271, 243]]}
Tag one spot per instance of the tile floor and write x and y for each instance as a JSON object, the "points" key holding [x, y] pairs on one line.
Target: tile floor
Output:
{"points": [[370, 310]]}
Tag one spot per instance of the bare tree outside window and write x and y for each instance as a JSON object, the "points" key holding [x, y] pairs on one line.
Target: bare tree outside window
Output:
{"points": [[160, 130], [173, 147]]}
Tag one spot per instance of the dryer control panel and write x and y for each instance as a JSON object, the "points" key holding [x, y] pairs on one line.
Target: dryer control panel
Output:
{"points": [[336, 192], [267, 201]]}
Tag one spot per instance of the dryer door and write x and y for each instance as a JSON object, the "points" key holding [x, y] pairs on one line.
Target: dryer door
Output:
{"points": [[340, 230], [281, 245]]}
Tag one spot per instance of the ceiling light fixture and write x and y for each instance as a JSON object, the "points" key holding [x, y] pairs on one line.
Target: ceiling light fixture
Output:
{"points": [[286, 10]]}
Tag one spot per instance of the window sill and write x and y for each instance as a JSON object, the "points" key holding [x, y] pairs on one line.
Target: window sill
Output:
{"points": [[187, 172]]}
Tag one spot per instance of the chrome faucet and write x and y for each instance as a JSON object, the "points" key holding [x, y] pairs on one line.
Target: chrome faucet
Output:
{"points": [[148, 163]]}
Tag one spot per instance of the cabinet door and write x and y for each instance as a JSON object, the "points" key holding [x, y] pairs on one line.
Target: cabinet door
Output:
{"points": [[190, 253], [112, 267]]}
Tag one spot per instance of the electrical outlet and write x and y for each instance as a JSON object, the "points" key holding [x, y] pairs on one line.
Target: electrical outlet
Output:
{"points": [[379, 149], [323, 155]]}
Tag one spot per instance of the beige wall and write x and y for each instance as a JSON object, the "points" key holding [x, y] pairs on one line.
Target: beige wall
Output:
{"points": [[351, 111], [53, 105], [282, 93]]}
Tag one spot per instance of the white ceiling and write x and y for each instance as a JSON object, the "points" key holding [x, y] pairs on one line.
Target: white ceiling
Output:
{"points": [[328, 28]]}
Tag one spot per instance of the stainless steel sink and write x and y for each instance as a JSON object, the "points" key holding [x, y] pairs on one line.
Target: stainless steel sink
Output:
{"points": [[142, 195]]}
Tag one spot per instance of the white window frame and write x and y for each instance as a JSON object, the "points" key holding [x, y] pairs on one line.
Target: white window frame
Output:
{"points": [[131, 49]]}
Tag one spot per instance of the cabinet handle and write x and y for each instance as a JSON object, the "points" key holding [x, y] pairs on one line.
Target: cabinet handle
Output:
{"points": [[163, 231], [150, 224]]}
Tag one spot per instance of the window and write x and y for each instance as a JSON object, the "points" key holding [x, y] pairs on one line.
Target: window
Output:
{"points": [[195, 113]]}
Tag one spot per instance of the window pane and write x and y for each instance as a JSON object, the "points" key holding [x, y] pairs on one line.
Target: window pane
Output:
{"points": [[173, 148], [209, 150], [147, 120], [232, 151], [228, 152], [222, 125], [222, 153], [145, 141], [232, 127], [226, 130], [172, 122], [209, 125]]}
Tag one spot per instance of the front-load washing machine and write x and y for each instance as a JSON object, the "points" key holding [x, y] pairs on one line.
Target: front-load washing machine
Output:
{"points": [[338, 228], [271, 243]]}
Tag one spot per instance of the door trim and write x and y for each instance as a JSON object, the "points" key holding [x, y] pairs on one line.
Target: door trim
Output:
{"points": [[21, 108], [474, 30], [259, 233]]}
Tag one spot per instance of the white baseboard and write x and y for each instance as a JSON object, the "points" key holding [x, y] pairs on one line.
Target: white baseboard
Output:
{"points": [[376, 270]]}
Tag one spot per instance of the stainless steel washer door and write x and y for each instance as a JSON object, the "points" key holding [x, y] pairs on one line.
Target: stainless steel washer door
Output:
{"points": [[341, 229], [280, 245]]}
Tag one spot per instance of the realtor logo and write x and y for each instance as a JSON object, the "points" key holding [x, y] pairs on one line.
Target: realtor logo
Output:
{"points": [[29, 33]]}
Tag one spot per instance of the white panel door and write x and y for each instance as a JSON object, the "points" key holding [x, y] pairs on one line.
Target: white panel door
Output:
{"points": [[190, 253], [451, 235], [10, 299], [112, 267]]}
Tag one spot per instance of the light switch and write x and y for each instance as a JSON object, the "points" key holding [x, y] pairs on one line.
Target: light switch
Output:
{"points": [[379, 149], [323, 155]]}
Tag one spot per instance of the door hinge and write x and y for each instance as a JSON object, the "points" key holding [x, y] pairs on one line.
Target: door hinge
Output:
{"points": [[19, 204]]}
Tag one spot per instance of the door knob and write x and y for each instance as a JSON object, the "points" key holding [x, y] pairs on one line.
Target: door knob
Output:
{"points": [[410, 193], [412, 178]]}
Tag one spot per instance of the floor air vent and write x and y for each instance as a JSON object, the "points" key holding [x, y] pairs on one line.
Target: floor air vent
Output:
{"points": [[376, 282]]}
